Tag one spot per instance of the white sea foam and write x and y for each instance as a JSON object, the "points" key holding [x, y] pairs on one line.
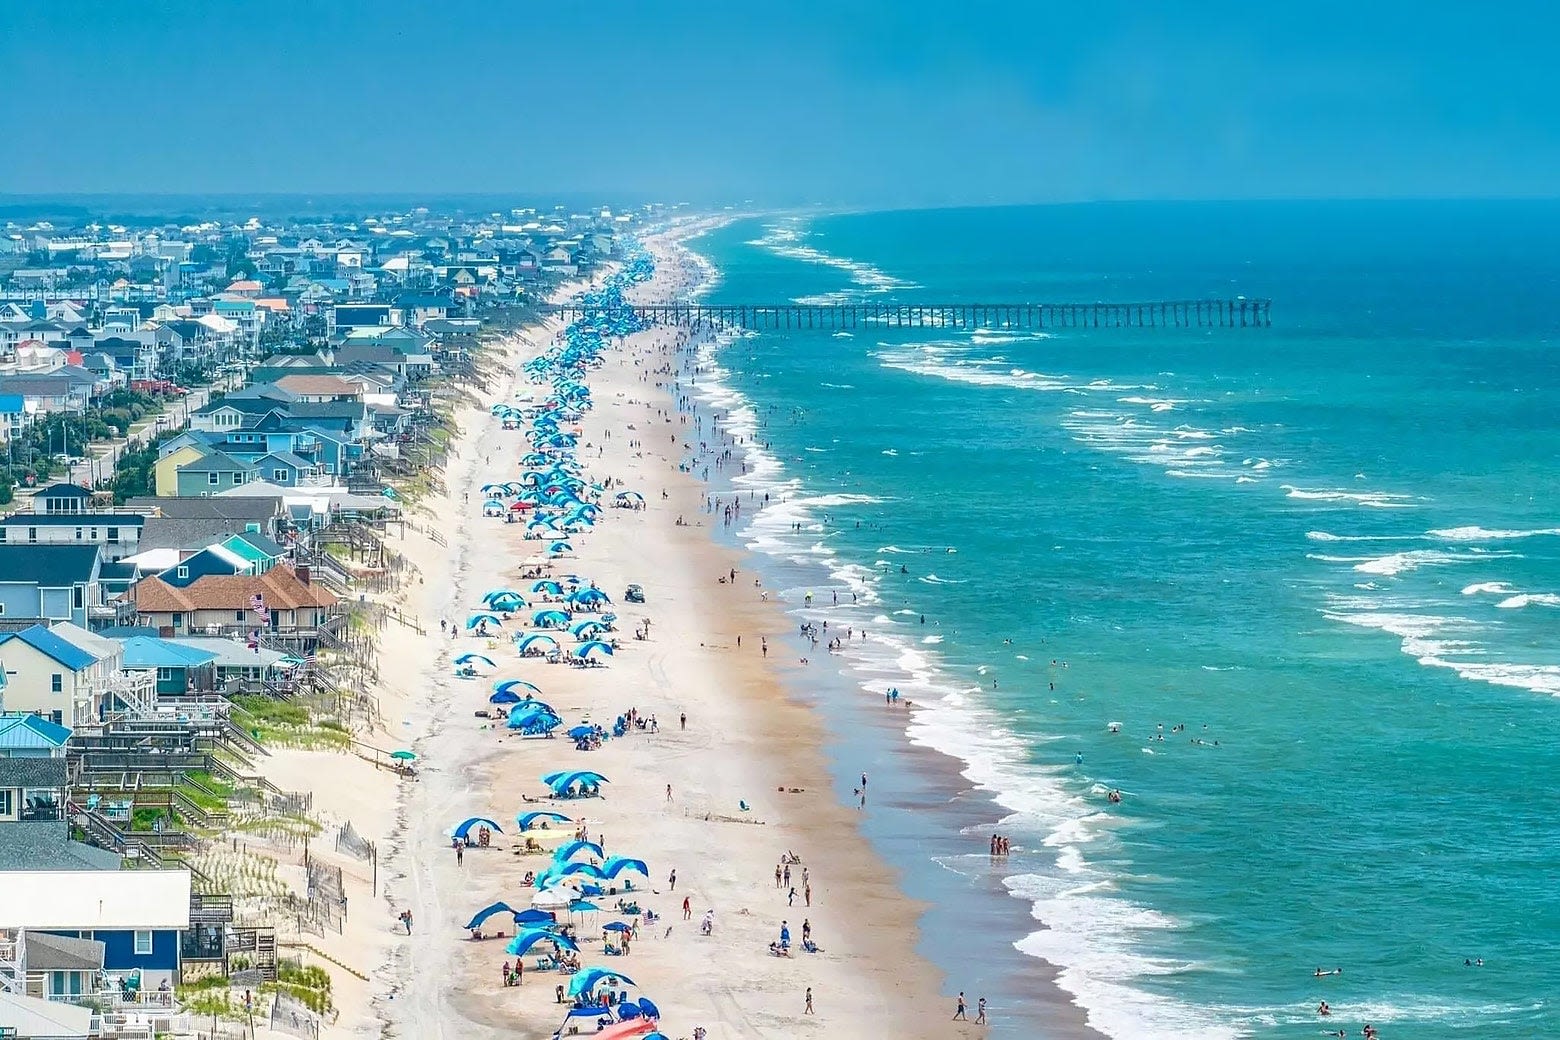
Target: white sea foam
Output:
{"points": [[1481, 534], [1491, 588], [1402, 562], [1529, 599], [787, 239], [1369, 499]]}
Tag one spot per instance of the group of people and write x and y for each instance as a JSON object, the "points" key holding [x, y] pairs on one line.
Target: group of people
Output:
{"points": [[961, 1011], [999, 845]]}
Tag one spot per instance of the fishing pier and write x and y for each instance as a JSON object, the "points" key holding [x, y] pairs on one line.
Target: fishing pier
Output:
{"points": [[1236, 313]]}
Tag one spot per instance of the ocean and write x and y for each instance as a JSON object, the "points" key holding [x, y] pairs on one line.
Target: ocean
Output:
{"points": [[1293, 592]]}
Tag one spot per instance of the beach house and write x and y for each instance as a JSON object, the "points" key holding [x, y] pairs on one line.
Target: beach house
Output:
{"points": [[51, 583], [119, 534]]}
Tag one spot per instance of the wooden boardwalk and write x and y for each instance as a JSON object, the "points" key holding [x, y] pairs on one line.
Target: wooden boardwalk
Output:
{"points": [[1235, 313]]}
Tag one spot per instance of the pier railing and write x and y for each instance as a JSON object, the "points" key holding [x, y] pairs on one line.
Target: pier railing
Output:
{"points": [[1235, 313]]}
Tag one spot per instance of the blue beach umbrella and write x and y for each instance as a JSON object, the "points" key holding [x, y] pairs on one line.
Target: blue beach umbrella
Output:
{"points": [[475, 620], [616, 865], [581, 732], [551, 588], [530, 937], [550, 618]]}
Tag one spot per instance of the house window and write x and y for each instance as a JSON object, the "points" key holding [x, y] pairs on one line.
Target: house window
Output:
{"points": [[183, 572], [165, 675], [213, 478], [56, 683], [238, 615], [238, 478], [113, 536], [92, 533], [78, 534], [5, 804], [143, 944], [78, 597], [32, 534], [279, 476], [178, 621], [2, 534], [2, 610]]}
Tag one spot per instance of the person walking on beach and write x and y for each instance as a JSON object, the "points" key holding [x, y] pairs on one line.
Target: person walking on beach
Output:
{"points": [[460, 854], [787, 875], [777, 875], [672, 880], [808, 1009], [807, 894], [790, 899], [980, 1012], [958, 1014], [687, 908], [668, 792]]}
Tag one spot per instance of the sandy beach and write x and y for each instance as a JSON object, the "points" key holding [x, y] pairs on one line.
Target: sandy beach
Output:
{"points": [[674, 797]]}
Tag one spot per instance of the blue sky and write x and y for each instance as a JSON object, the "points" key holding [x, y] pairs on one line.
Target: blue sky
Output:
{"points": [[783, 102]]}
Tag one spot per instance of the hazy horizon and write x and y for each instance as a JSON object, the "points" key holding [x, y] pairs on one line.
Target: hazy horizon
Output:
{"points": [[868, 104]]}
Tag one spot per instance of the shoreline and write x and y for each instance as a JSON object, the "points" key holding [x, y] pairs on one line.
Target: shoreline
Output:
{"points": [[736, 749], [930, 779]]}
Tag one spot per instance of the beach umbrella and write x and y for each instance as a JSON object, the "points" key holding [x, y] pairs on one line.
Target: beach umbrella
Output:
{"points": [[404, 756], [470, 658], [551, 899], [617, 926], [589, 596], [550, 618], [464, 827], [504, 697], [528, 820], [560, 547], [593, 646], [586, 869], [581, 732], [482, 616], [583, 906], [648, 1009], [564, 853], [551, 588]]}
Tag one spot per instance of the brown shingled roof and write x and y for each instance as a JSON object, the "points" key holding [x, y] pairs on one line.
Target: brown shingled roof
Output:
{"points": [[155, 596], [279, 587], [311, 386]]}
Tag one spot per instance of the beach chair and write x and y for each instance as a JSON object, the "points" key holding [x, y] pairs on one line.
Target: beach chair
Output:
{"points": [[545, 963]]}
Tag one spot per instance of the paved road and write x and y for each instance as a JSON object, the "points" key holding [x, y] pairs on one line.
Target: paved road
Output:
{"points": [[99, 468]]}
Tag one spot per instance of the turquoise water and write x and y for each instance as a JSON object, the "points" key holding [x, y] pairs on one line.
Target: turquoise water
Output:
{"points": [[1330, 550]]}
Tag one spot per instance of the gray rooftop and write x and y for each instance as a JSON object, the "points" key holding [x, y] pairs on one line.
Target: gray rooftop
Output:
{"points": [[47, 846]]}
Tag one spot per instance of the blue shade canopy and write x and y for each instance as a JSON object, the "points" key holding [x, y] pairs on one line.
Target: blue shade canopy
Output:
{"points": [[489, 911], [465, 826], [516, 685], [617, 926], [616, 865], [470, 658], [531, 936], [564, 853], [593, 646], [528, 820]]}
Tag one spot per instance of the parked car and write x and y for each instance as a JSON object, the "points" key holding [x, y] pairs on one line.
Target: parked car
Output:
{"points": [[634, 594]]}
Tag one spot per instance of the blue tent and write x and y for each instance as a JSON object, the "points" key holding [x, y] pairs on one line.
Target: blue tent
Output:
{"points": [[649, 1010], [550, 618], [527, 820], [583, 630], [504, 697], [475, 821], [469, 658], [560, 547], [581, 732], [584, 777], [589, 869], [552, 588], [482, 615]]}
